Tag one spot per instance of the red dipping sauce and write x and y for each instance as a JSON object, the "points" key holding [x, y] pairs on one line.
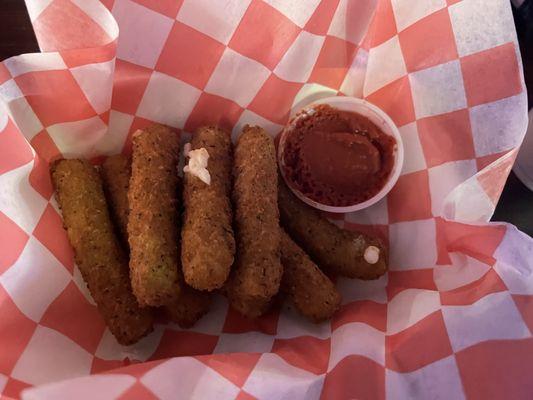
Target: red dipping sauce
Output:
{"points": [[336, 158]]}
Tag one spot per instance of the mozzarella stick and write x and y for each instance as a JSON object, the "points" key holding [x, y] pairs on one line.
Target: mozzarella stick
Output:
{"points": [[207, 243], [98, 254], [153, 224], [257, 272], [116, 172], [312, 292], [336, 250], [189, 305]]}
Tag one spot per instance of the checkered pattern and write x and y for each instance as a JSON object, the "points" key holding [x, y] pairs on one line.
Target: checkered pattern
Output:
{"points": [[454, 316]]}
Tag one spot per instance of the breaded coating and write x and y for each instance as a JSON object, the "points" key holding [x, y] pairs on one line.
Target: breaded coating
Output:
{"points": [[116, 172], [189, 307], [98, 254], [207, 243], [153, 224], [257, 272], [336, 250], [312, 292]]}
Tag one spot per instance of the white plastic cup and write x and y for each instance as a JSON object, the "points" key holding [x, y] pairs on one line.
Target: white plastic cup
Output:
{"points": [[382, 121]]}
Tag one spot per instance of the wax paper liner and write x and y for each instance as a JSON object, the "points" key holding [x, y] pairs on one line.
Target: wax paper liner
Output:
{"points": [[453, 317]]}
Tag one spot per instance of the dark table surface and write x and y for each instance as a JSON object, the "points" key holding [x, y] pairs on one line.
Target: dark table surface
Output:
{"points": [[516, 202]]}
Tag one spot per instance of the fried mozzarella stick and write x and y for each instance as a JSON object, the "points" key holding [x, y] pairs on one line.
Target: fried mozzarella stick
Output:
{"points": [[312, 292], [207, 243], [190, 305], [338, 251], [100, 258], [153, 224], [257, 273], [116, 172]]}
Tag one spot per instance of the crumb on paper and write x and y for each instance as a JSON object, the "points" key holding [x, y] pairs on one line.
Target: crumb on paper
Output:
{"points": [[197, 165], [371, 254]]}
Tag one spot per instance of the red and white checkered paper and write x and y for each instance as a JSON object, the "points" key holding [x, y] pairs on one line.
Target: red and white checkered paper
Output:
{"points": [[452, 319]]}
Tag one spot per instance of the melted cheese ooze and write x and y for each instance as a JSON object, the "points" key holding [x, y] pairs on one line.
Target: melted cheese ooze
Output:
{"points": [[371, 255], [197, 165]]}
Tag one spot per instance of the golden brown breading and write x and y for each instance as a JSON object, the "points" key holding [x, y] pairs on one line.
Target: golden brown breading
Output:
{"points": [[336, 250], [116, 172], [312, 292], [257, 273], [98, 254], [153, 224], [207, 243], [189, 307]]}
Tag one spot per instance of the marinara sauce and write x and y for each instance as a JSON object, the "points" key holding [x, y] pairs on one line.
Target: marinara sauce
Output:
{"points": [[336, 158]]}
